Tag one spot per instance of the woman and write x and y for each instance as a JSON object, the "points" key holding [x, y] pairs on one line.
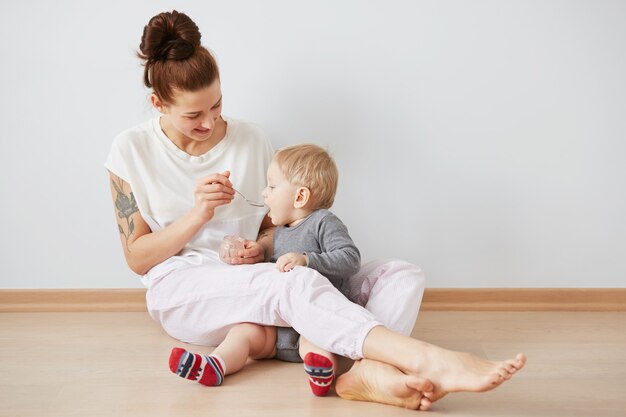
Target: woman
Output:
{"points": [[171, 233]]}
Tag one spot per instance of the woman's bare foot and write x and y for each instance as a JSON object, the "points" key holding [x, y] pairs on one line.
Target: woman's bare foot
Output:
{"points": [[449, 371], [374, 381], [453, 371]]}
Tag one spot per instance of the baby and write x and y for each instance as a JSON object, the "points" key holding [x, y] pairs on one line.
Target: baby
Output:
{"points": [[301, 186]]}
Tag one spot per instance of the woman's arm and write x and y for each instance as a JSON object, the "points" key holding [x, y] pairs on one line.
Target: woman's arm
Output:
{"points": [[143, 248], [266, 237]]}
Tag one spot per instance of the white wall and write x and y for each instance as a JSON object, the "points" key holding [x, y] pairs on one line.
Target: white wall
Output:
{"points": [[482, 140]]}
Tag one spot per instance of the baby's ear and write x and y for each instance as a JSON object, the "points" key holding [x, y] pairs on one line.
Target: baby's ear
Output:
{"points": [[303, 195]]}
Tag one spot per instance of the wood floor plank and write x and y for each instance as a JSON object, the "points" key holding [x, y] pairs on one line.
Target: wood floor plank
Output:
{"points": [[115, 364]]}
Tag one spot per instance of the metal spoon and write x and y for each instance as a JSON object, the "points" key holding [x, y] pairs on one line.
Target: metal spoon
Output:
{"points": [[252, 203]]}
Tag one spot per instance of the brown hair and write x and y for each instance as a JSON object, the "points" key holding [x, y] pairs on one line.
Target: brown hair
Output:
{"points": [[310, 166], [174, 58]]}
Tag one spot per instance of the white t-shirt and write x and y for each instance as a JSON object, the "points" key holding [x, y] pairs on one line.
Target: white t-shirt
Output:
{"points": [[163, 177]]}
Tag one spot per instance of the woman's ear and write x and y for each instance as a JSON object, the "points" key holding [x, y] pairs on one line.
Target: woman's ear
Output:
{"points": [[303, 195], [157, 103]]}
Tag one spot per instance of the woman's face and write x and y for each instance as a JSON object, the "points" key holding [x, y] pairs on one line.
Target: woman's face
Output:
{"points": [[194, 113]]}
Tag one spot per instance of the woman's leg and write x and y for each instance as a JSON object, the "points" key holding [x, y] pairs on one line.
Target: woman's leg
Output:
{"points": [[374, 381], [448, 370], [402, 369], [367, 380], [200, 304], [391, 290]]}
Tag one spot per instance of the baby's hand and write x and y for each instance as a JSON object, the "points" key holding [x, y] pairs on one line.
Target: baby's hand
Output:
{"points": [[290, 260]]}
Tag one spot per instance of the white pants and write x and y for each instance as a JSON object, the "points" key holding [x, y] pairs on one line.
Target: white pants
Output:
{"points": [[199, 304]]}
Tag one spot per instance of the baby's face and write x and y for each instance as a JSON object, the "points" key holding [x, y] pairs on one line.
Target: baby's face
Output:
{"points": [[280, 196]]}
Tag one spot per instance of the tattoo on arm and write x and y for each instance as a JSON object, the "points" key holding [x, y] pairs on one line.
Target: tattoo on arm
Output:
{"points": [[126, 206], [265, 239]]}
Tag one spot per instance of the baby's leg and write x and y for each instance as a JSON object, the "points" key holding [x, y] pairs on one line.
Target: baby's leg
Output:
{"points": [[246, 340], [242, 341], [319, 365]]}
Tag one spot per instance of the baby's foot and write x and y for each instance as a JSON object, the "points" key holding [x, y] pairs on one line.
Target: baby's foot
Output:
{"points": [[206, 369], [320, 372]]}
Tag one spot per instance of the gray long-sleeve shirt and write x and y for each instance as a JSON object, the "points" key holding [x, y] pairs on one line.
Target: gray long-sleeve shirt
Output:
{"points": [[325, 240]]}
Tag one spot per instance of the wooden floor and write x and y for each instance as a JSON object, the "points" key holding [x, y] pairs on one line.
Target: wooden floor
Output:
{"points": [[114, 364]]}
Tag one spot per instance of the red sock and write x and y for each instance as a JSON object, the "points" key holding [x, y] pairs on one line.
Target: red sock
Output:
{"points": [[320, 371], [206, 369]]}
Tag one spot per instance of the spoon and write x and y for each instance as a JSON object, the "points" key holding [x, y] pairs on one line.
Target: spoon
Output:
{"points": [[252, 203]]}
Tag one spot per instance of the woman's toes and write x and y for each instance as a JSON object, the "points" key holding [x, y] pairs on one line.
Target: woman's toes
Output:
{"points": [[510, 368], [496, 379], [430, 395], [424, 404], [420, 384]]}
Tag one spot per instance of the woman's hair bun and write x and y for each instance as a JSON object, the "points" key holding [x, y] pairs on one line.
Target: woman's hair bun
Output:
{"points": [[169, 35], [173, 57]]}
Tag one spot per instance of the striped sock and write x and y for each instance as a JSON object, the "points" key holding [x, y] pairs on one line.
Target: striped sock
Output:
{"points": [[206, 369], [320, 371]]}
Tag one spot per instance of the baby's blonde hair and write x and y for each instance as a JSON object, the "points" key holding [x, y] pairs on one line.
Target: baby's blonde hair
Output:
{"points": [[310, 166]]}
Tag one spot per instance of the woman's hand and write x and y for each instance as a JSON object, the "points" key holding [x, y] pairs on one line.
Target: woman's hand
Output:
{"points": [[212, 191], [252, 253], [289, 261]]}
